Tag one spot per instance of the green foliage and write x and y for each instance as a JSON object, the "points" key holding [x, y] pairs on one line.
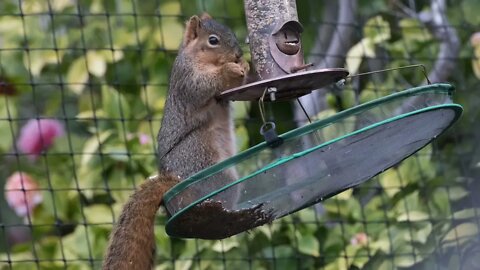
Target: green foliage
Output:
{"points": [[112, 71]]}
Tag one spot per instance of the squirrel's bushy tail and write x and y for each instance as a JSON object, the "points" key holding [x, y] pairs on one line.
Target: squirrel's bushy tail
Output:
{"points": [[132, 242]]}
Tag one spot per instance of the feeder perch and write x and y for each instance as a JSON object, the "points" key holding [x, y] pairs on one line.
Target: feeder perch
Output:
{"points": [[294, 170]]}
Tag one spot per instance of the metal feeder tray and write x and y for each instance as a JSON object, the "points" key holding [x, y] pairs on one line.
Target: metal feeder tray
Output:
{"points": [[315, 162], [287, 86]]}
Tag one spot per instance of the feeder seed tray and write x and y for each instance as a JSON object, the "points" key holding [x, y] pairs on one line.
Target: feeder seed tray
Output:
{"points": [[314, 162], [288, 86]]}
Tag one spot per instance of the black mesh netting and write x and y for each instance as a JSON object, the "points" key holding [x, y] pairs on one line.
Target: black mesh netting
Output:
{"points": [[82, 89]]}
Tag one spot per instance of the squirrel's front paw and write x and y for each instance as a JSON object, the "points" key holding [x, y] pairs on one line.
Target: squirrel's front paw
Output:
{"points": [[234, 70], [234, 74]]}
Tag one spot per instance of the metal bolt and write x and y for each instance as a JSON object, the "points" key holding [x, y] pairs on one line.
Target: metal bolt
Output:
{"points": [[341, 83], [272, 91]]}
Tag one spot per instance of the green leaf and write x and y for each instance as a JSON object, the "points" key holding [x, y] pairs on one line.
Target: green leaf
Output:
{"points": [[412, 29], [361, 258], [98, 214], [308, 244], [59, 5], [240, 110], [77, 75], [407, 256], [172, 8], [75, 245], [114, 104], [409, 203], [241, 138], [391, 182], [412, 216], [117, 152], [422, 235], [355, 55], [470, 10], [154, 93], [457, 193], [90, 115], [406, 260], [7, 111], [111, 56], [377, 30], [284, 251], [345, 195], [348, 98], [91, 146], [466, 213], [193, 247], [441, 201], [163, 241], [267, 231], [386, 265], [9, 23], [183, 264], [168, 36], [382, 244], [36, 60], [460, 234], [420, 232], [307, 215], [339, 264], [225, 245], [97, 64]]}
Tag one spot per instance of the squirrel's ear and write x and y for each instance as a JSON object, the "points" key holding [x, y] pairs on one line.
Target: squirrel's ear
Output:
{"points": [[191, 31], [206, 16]]}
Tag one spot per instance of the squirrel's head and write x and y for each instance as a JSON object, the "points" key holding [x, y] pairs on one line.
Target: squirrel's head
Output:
{"points": [[210, 42]]}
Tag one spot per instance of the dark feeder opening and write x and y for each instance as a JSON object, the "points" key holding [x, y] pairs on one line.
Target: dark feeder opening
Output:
{"points": [[287, 39], [291, 171]]}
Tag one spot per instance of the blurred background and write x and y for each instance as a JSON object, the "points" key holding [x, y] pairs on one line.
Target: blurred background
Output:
{"points": [[82, 89]]}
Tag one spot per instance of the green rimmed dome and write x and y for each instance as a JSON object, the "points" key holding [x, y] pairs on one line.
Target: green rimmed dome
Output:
{"points": [[314, 162]]}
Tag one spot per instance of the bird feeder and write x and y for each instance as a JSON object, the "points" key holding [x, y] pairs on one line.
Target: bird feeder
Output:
{"points": [[304, 166]]}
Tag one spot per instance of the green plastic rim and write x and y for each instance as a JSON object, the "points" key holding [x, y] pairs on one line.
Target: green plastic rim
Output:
{"points": [[443, 89]]}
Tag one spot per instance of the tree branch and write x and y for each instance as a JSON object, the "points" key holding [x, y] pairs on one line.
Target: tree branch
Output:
{"points": [[340, 42]]}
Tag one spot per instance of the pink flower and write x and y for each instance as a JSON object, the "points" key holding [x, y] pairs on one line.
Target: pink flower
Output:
{"points": [[22, 193], [475, 39], [144, 139], [359, 239], [38, 135]]}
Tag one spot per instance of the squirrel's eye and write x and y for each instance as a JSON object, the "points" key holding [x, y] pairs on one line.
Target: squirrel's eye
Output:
{"points": [[213, 40]]}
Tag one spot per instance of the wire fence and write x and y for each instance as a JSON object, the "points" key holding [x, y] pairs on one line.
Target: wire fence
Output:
{"points": [[82, 90]]}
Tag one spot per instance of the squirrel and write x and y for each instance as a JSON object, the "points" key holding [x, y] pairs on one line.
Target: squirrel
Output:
{"points": [[197, 129], [196, 132]]}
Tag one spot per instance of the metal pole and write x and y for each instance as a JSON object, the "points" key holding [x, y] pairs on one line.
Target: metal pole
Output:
{"points": [[274, 37]]}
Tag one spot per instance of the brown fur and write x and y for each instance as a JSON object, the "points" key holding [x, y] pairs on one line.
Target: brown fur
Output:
{"points": [[132, 242], [196, 132], [197, 129]]}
